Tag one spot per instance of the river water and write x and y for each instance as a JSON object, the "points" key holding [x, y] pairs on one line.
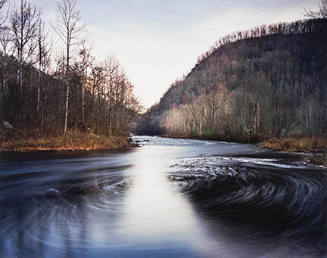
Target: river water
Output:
{"points": [[168, 198]]}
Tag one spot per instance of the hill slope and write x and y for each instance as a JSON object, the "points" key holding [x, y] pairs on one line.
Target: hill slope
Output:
{"points": [[268, 81]]}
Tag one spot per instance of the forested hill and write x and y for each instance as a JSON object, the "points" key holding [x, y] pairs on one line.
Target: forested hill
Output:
{"points": [[268, 81], [50, 90], [102, 101]]}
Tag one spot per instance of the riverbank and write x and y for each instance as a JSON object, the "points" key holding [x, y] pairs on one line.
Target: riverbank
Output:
{"points": [[315, 145], [71, 141], [307, 144], [312, 144], [244, 140]]}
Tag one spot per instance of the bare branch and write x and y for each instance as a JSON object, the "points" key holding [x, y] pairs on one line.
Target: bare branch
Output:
{"points": [[69, 27], [321, 13], [3, 18], [69, 22], [24, 22]]}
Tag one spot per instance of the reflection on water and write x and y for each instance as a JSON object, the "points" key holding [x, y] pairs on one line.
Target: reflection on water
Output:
{"points": [[170, 198], [151, 209], [155, 214]]}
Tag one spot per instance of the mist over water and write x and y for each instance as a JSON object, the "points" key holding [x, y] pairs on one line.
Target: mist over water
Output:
{"points": [[169, 198]]}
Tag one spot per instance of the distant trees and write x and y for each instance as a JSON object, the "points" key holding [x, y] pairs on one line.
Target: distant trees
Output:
{"points": [[298, 27], [269, 81], [40, 95], [205, 115]]}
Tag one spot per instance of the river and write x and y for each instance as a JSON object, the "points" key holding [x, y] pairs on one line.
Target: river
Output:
{"points": [[168, 198]]}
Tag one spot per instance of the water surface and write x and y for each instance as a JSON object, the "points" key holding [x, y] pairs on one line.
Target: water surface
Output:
{"points": [[168, 198]]}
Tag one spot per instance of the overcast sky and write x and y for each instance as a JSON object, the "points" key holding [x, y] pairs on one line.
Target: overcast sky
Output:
{"points": [[157, 41]]}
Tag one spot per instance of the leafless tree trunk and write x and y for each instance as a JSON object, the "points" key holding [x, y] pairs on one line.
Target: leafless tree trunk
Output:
{"points": [[43, 59], [24, 25], [5, 40], [3, 17], [86, 61], [69, 21]]}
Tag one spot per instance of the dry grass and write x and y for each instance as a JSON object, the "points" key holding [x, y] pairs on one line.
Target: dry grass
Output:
{"points": [[71, 141], [297, 144]]}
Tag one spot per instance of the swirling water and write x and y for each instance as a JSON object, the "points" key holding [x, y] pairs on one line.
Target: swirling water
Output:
{"points": [[169, 198]]}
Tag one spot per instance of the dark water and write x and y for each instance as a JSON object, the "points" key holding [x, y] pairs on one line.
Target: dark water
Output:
{"points": [[169, 198]]}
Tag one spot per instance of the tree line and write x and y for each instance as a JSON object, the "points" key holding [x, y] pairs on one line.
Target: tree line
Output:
{"points": [[253, 86], [297, 27], [43, 92]]}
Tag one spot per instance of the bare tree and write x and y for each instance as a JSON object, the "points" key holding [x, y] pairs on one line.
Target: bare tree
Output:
{"points": [[112, 68], [69, 27], [321, 13], [5, 41], [3, 17], [97, 78], [43, 57], [24, 25], [2, 3], [86, 61]]}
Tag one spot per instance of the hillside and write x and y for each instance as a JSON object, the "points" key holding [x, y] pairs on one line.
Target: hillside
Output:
{"points": [[58, 95], [268, 81], [41, 129], [102, 101]]}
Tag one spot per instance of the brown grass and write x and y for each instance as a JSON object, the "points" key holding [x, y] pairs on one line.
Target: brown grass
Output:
{"points": [[71, 141], [297, 144]]}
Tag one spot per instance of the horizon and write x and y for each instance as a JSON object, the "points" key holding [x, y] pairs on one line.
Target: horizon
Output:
{"points": [[158, 43]]}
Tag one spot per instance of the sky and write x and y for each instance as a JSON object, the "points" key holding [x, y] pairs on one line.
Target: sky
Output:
{"points": [[159, 41]]}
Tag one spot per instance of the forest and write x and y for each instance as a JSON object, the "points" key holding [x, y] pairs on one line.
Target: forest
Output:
{"points": [[44, 93], [269, 81]]}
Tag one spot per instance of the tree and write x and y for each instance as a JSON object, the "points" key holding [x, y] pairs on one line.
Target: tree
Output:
{"points": [[69, 28], [35, 97], [5, 40], [43, 58], [24, 25], [3, 18], [274, 86], [97, 78], [85, 62], [321, 13]]}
